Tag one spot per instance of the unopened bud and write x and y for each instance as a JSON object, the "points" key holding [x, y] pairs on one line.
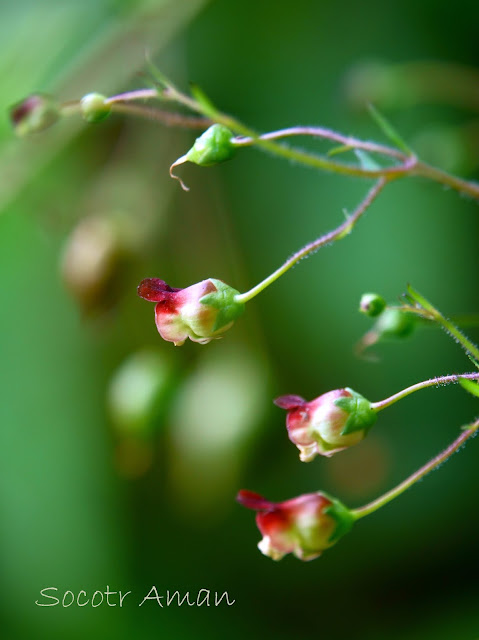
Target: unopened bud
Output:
{"points": [[33, 114], [200, 312], [305, 526], [394, 323], [372, 304], [93, 107], [212, 147], [328, 424], [138, 391]]}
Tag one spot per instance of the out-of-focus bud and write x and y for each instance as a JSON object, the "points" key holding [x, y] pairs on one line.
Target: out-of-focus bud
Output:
{"points": [[305, 526], [328, 424], [33, 114], [138, 396], [93, 107], [372, 304], [91, 259], [213, 146], [138, 392], [201, 312], [393, 323]]}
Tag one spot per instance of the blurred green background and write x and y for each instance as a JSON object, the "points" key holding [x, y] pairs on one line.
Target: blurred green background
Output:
{"points": [[120, 456]]}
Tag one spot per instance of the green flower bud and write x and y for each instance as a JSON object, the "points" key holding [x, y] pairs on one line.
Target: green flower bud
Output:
{"points": [[213, 146], [372, 304], [93, 107], [393, 323], [33, 114]]}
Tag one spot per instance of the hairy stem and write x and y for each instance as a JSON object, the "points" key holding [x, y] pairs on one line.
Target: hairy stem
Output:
{"points": [[433, 382], [408, 163], [361, 512], [424, 308], [344, 229], [326, 134]]}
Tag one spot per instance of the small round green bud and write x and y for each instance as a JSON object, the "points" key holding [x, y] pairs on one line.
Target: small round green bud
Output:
{"points": [[372, 304], [393, 323], [212, 147], [94, 108], [33, 114]]}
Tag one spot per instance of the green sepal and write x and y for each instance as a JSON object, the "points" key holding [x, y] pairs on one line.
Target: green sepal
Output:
{"points": [[361, 416], [224, 299], [470, 385], [212, 147], [343, 517]]}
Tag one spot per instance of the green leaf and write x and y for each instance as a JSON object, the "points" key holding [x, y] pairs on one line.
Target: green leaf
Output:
{"points": [[198, 94], [388, 130], [473, 360], [341, 149], [470, 385], [366, 161]]}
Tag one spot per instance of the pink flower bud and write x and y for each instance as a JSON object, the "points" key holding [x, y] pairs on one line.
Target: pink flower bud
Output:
{"points": [[330, 423], [33, 114], [200, 312], [304, 526]]}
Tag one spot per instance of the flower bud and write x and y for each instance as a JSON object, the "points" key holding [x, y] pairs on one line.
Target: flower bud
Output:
{"points": [[393, 323], [33, 114], [304, 526], [328, 424], [200, 312], [371, 304], [213, 146], [93, 107]]}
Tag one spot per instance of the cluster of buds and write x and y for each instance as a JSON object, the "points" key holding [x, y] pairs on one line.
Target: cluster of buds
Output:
{"points": [[201, 312], [305, 526], [328, 424]]}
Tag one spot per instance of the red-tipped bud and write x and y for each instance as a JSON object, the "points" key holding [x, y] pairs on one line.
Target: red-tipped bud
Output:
{"points": [[33, 114], [304, 526], [330, 423], [201, 312]]}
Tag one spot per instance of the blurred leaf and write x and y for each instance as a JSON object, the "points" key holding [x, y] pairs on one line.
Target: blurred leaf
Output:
{"points": [[388, 130], [470, 385]]}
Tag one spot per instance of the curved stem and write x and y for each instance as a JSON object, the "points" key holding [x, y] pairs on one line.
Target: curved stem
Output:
{"points": [[433, 382], [409, 164], [344, 229], [361, 512], [326, 134]]}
